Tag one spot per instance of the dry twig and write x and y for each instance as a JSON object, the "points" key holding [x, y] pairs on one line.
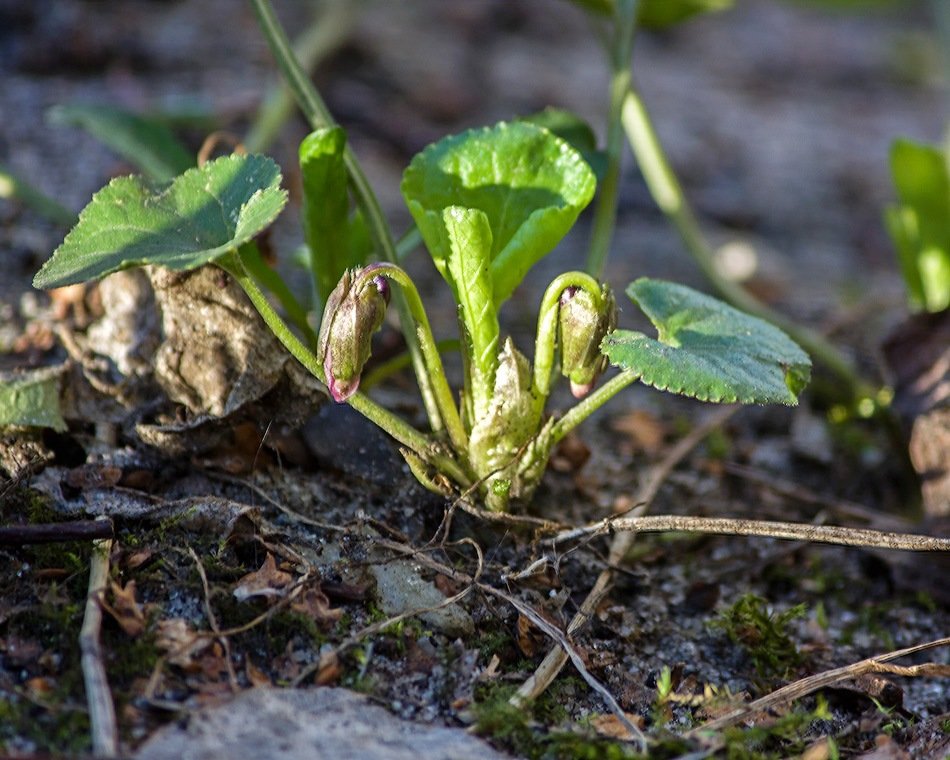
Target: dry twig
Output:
{"points": [[105, 741], [47, 533], [805, 686], [828, 534], [213, 623]]}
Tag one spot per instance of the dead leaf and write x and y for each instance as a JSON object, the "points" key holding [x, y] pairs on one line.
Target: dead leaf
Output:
{"points": [[820, 750], [213, 663], [128, 613], [89, 476], [286, 666], [267, 581], [644, 430], [329, 671], [136, 559], [529, 638], [176, 637], [257, 677], [610, 726], [40, 687], [570, 455], [885, 748], [240, 454], [68, 298], [490, 671], [313, 603]]}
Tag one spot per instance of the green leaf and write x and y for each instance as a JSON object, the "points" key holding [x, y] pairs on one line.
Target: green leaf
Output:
{"points": [[468, 239], [326, 204], [198, 217], [658, 14], [920, 223], [575, 131], [148, 144], [707, 349], [31, 399], [529, 184]]}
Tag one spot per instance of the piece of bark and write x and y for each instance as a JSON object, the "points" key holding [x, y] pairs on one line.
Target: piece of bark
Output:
{"points": [[918, 353]]}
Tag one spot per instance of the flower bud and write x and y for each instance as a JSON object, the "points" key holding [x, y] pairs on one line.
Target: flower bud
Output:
{"points": [[582, 327], [354, 312]]}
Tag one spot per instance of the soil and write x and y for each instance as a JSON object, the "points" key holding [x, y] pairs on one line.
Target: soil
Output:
{"points": [[269, 520]]}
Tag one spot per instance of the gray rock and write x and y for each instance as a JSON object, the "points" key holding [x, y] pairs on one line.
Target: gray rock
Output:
{"points": [[296, 724], [400, 588]]}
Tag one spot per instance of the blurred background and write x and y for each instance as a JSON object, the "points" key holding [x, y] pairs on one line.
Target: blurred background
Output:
{"points": [[778, 116]]}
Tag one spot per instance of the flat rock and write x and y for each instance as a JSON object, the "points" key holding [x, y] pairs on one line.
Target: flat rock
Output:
{"points": [[308, 723]]}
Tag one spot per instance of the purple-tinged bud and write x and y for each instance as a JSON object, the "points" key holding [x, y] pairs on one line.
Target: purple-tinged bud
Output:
{"points": [[582, 327], [353, 314]]}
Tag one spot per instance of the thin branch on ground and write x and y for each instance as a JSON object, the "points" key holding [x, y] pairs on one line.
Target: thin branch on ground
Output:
{"points": [[549, 668], [47, 533], [213, 622], [105, 736], [827, 534], [555, 633], [806, 686]]}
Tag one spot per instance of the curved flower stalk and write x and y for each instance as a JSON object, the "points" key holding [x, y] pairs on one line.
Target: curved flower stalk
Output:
{"points": [[506, 449]]}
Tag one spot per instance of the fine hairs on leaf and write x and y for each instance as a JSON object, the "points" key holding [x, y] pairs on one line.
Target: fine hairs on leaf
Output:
{"points": [[196, 218]]}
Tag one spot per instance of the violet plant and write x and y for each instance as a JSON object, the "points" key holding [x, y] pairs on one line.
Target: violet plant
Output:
{"points": [[489, 204]]}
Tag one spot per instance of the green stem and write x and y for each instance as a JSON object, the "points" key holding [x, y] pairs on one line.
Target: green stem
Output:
{"points": [[605, 214], [411, 240], [317, 113], [14, 188], [397, 428], [544, 344], [581, 411], [668, 194], [430, 351], [326, 33], [296, 313]]}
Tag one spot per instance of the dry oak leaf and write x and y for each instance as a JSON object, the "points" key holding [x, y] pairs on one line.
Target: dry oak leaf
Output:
{"points": [[267, 581], [128, 613], [611, 727], [255, 676], [182, 644], [313, 603]]}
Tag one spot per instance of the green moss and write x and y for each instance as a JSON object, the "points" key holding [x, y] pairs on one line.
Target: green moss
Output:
{"points": [[55, 729], [783, 738], [519, 731], [762, 633], [870, 619]]}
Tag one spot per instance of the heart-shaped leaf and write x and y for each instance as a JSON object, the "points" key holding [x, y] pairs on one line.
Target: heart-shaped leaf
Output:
{"points": [[707, 349], [529, 184], [575, 131], [199, 216]]}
